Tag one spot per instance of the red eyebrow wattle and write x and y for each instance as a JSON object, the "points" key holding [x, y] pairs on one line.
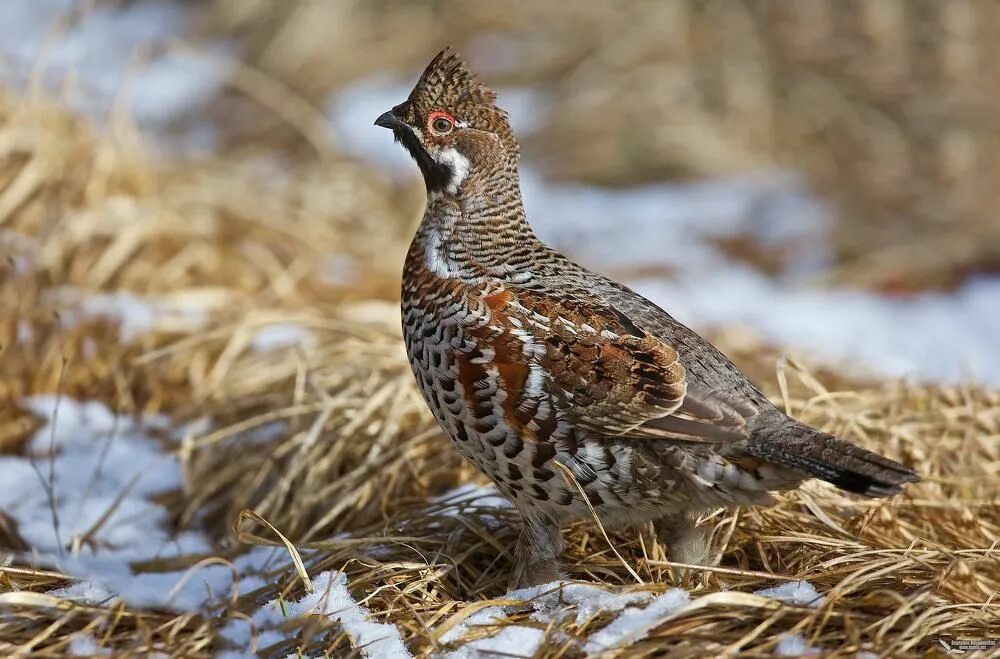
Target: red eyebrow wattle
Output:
{"points": [[440, 113]]}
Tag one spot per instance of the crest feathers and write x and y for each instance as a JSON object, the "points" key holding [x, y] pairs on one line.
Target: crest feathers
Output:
{"points": [[448, 82]]}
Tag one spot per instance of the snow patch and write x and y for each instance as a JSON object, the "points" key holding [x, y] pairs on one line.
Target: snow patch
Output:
{"points": [[518, 640], [135, 315], [555, 602], [85, 645], [794, 645], [84, 592], [799, 593], [97, 471], [585, 600], [339, 270], [511, 641], [635, 624], [107, 50], [101, 461], [486, 616], [281, 335], [330, 598]]}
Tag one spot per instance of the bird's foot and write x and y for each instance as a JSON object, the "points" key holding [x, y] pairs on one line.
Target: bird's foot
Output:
{"points": [[686, 542], [537, 553], [535, 574]]}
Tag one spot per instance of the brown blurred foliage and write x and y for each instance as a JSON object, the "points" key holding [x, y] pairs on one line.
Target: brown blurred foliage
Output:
{"points": [[889, 107]]}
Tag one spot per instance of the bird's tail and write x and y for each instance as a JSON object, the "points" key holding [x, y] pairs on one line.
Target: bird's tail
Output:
{"points": [[790, 443]]}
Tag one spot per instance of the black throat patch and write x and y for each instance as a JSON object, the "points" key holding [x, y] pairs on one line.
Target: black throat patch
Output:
{"points": [[437, 176]]}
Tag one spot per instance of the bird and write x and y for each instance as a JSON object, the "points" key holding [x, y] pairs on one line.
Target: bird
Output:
{"points": [[574, 394]]}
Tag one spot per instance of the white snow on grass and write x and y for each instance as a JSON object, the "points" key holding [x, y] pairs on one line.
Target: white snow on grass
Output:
{"points": [[281, 335], [799, 593], [330, 598], [84, 592], [489, 615], [555, 602], [135, 315], [635, 624], [82, 498], [510, 641], [508, 638], [102, 461], [583, 600], [634, 616], [85, 645], [339, 270], [852, 328], [184, 312], [795, 645], [673, 226], [107, 50]]}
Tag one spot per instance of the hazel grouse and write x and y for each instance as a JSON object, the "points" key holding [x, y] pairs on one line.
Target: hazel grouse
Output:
{"points": [[555, 381]]}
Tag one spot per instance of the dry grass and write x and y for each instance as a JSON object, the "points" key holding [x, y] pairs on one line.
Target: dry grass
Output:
{"points": [[360, 454], [888, 107]]}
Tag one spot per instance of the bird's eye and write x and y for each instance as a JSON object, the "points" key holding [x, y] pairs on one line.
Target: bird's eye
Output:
{"points": [[441, 123]]}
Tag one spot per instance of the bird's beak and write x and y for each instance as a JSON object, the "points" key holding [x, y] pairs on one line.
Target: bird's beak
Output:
{"points": [[390, 121]]}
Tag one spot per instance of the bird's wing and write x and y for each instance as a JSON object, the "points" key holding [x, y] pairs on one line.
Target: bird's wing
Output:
{"points": [[585, 359]]}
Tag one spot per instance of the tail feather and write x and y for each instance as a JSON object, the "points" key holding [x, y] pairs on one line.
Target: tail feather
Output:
{"points": [[791, 443]]}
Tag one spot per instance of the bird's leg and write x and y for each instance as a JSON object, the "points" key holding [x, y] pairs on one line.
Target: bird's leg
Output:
{"points": [[685, 540], [537, 552]]}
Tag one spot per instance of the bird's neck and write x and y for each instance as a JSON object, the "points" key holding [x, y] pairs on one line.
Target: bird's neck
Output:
{"points": [[480, 227]]}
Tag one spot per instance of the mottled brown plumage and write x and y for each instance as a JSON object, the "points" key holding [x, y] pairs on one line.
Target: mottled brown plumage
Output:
{"points": [[538, 369]]}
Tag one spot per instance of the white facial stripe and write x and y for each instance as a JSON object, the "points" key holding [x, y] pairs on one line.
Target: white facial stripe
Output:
{"points": [[417, 132], [459, 165]]}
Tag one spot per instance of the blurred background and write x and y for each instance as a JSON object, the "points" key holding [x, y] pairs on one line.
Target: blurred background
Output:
{"points": [[201, 238], [818, 173]]}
